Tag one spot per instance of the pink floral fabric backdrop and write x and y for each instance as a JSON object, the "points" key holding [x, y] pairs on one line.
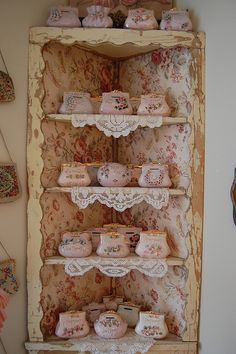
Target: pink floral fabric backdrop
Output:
{"points": [[164, 295], [69, 68]]}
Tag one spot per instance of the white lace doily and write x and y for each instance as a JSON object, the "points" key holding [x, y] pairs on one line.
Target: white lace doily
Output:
{"points": [[131, 343], [116, 125], [120, 198], [116, 267]]}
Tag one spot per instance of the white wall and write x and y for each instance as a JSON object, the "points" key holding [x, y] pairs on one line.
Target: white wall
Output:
{"points": [[218, 307]]}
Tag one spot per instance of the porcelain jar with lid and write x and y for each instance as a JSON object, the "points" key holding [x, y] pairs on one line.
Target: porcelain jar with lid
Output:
{"points": [[129, 312], [72, 324], [132, 235], [64, 16], [141, 18], [113, 174], [151, 324], [76, 102], [153, 104], [113, 244], [176, 20], [110, 325], [74, 174], [93, 311], [116, 102], [97, 17], [155, 175], [75, 244], [153, 244]]}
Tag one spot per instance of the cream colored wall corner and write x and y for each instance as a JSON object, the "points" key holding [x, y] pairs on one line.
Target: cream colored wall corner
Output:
{"points": [[218, 320]]}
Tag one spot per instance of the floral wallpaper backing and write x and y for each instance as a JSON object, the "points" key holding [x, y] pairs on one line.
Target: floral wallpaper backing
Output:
{"points": [[69, 68]]}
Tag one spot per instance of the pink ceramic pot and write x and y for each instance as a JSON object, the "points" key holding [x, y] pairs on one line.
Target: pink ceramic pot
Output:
{"points": [[152, 244], [141, 19], [72, 324], [75, 244], [176, 20], [64, 16], [74, 174], [153, 104], [114, 174], [151, 324], [154, 175], [113, 244], [115, 102], [97, 17], [110, 325]]}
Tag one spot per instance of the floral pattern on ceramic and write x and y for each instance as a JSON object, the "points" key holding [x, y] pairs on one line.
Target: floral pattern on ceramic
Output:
{"points": [[72, 324], [115, 102], [76, 102], [113, 244], [74, 174], [162, 295], [154, 175], [75, 244], [97, 17], [132, 234], [129, 312], [151, 244], [64, 16], [93, 311], [151, 324], [110, 325], [113, 174], [153, 104], [176, 20], [141, 19]]}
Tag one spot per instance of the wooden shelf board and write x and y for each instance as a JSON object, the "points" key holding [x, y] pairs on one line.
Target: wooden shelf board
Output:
{"points": [[173, 192], [171, 261], [171, 342], [66, 118], [117, 43]]}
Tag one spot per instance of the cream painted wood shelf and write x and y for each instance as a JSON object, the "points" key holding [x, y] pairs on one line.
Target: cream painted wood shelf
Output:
{"points": [[96, 61], [119, 198], [116, 125], [116, 267], [164, 346]]}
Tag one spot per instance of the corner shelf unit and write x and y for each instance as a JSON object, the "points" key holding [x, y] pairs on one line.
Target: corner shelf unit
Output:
{"points": [[99, 60]]}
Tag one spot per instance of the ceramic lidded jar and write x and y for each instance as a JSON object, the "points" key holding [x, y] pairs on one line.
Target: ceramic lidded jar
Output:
{"points": [[129, 312], [176, 20], [97, 17], [152, 244], [76, 102], [64, 16], [72, 324], [93, 311], [110, 325], [141, 19], [113, 174], [155, 175], [75, 244], [151, 324], [132, 235], [74, 174], [116, 102], [113, 244], [153, 104]]}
